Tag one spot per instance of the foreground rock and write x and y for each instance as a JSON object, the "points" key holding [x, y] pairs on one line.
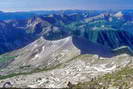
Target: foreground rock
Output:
{"points": [[80, 69]]}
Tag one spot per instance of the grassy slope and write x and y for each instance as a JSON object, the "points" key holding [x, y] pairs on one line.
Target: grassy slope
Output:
{"points": [[6, 58], [122, 79]]}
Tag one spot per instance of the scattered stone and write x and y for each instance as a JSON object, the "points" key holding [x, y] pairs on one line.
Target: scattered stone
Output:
{"points": [[7, 85]]}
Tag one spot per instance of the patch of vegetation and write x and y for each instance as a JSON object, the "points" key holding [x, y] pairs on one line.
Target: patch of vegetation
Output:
{"points": [[27, 73], [122, 79], [80, 57], [6, 58]]}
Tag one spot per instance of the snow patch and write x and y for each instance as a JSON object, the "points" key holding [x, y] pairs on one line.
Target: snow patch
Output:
{"points": [[118, 14], [102, 68]]}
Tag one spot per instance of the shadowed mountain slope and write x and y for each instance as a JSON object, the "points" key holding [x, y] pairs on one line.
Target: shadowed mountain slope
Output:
{"points": [[104, 29]]}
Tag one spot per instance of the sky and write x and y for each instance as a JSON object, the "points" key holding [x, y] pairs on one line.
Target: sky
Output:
{"points": [[29, 5]]}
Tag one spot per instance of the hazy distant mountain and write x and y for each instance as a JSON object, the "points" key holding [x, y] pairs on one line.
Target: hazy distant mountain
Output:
{"points": [[27, 15]]}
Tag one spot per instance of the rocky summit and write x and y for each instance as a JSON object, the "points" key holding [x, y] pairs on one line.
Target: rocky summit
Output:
{"points": [[70, 49]]}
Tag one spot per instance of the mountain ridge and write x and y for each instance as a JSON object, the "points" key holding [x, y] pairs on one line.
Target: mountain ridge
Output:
{"points": [[60, 26], [56, 50]]}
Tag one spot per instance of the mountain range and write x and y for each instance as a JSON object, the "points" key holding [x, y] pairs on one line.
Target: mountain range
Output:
{"points": [[47, 42]]}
